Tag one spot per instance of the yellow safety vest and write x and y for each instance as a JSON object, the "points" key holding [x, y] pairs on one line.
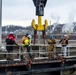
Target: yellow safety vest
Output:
{"points": [[26, 42]]}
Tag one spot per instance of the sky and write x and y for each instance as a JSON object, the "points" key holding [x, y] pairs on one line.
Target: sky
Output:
{"points": [[21, 12]]}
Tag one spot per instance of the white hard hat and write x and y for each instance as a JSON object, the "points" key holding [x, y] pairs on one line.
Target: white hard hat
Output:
{"points": [[65, 35], [29, 36], [11, 32]]}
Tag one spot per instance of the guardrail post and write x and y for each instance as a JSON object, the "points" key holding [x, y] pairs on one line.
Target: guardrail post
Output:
{"points": [[68, 50], [20, 52]]}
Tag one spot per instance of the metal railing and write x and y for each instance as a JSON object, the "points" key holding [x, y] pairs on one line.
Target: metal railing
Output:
{"points": [[70, 51], [42, 50], [39, 51]]}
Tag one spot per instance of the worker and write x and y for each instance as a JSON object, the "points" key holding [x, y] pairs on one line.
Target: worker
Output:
{"points": [[23, 56], [10, 41], [27, 54], [64, 42], [51, 41]]}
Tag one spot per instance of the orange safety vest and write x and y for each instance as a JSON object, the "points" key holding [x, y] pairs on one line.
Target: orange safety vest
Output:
{"points": [[23, 39]]}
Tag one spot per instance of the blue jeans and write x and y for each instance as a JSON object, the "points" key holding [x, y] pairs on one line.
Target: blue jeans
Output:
{"points": [[28, 50], [64, 50]]}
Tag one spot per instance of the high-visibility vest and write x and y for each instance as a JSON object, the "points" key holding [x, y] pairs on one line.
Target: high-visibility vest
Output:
{"points": [[26, 42], [22, 40]]}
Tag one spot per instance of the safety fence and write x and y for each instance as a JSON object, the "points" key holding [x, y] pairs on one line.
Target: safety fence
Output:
{"points": [[38, 51]]}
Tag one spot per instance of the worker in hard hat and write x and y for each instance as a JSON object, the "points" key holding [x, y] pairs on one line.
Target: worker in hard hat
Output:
{"points": [[10, 41], [64, 43], [23, 56], [51, 42], [26, 49]]}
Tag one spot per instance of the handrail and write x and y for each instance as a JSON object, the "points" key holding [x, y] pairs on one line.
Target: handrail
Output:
{"points": [[71, 50]]}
